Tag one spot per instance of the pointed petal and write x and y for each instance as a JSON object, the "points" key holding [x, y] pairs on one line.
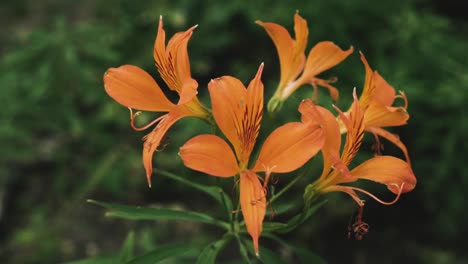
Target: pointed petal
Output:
{"points": [[354, 122], [289, 147], [369, 86], [133, 87], [153, 140], [173, 62], [322, 57], [392, 138], [253, 205], [387, 170], [209, 154], [238, 111]]}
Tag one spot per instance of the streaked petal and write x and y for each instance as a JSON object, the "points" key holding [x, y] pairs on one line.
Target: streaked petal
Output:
{"points": [[133, 87], [387, 170], [238, 111], [209, 154], [153, 139], [289, 147], [173, 62], [253, 205], [369, 86], [322, 57], [354, 122]]}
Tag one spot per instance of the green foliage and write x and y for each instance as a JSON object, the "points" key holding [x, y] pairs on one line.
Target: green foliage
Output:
{"points": [[64, 140]]}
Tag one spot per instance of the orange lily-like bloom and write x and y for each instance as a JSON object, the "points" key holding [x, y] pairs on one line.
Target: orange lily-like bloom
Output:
{"points": [[134, 88], [238, 112], [378, 98], [395, 173], [323, 56]]}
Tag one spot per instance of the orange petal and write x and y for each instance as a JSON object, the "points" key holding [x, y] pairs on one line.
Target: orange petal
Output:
{"points": [[369, 86], [209, 154], [133, 87], [392, 138], [290, 56], [238, 111], [354, 122], [331, 149], [253, 204], [387, 170], [173, 62], [322, 57], [380, 115], [289, 147], [384, 92], [153, 139]]}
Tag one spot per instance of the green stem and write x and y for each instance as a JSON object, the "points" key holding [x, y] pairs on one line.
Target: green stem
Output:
{"points": [[287, 187], [242, 249]]}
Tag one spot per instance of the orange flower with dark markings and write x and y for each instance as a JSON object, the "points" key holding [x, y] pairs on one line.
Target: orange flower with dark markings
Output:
{"points": [[378, 98], [395, 173], [323, 56], [238, 112], [134, 88]]}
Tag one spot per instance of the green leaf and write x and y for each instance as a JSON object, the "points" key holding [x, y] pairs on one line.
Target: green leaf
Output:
{"points": [[294, 222], [162, 253], [96, 260], [141, 213], [306, 256], [209, 253], [216, 192], [126, 253]]}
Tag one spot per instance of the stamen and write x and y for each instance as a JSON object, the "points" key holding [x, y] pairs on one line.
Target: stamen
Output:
{"points": [[402, 95], [377, 199], [132, 121]]}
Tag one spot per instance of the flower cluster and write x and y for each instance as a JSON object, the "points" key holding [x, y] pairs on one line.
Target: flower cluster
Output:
{"points": [[238, 110]]}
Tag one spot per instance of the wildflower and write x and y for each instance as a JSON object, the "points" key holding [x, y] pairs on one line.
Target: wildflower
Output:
{"points": [[323, 56], [395, 173], [378, 98], [134, 88], [238, 112]]}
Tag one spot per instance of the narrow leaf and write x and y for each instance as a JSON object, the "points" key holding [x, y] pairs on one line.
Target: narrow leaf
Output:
{"points": [[141, 213], [126, 253], [216, 192], [210, 252], [162, 253]]}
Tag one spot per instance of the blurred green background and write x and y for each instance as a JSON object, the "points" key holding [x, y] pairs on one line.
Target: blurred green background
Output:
{"points": [[63, 140]]}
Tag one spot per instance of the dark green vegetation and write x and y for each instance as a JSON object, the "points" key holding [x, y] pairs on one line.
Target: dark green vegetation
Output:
{"points": [[63, 140]]}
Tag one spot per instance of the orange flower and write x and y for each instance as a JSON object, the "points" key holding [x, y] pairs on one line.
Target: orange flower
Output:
{"points": [[395, 173], [238, 112], [134, 88], [322, 57], [378, 98]]}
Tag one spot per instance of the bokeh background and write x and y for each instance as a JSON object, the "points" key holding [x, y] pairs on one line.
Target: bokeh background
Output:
{"points": [[63, 140]]}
